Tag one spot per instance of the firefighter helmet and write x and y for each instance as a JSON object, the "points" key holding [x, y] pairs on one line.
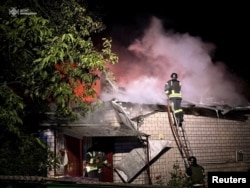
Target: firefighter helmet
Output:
{"points": [[192, 160], [174, 75]]}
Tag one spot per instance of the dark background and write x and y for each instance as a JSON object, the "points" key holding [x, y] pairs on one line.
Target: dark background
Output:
{"points": [[224, 24]]}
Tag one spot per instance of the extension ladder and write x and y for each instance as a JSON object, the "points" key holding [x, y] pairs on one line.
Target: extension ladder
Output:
{"points": [[179, 135]]}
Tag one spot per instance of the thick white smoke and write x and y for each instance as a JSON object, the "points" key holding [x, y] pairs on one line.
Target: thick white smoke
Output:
{"points": [[148, 62]]}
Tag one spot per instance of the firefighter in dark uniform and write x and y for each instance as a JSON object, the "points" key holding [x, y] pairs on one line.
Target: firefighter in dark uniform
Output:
{"points": [[95, 160], [173, 92], [195, 173]]}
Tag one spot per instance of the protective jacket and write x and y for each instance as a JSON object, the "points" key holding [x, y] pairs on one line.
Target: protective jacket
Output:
{"points": [[173, 89], [95, 160], [173, 92], [196, 174]]}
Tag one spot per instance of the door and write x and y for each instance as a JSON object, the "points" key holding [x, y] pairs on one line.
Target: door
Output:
{"points": [[74, 149], [107, 171]]}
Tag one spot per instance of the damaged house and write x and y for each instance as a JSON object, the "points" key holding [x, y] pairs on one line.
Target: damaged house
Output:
{"points": [[141, 143]]}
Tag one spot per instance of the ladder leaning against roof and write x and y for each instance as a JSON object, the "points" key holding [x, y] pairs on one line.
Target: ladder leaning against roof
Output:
{"points": [[179, 135]]}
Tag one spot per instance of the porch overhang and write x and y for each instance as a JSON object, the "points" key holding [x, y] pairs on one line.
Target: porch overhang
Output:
{"points": [[98, 131]]}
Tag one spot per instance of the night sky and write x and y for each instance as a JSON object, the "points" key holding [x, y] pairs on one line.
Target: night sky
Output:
{"points": [[224, 24]]}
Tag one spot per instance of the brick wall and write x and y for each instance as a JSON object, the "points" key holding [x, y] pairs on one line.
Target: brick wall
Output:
{"points": [[213, 141]]}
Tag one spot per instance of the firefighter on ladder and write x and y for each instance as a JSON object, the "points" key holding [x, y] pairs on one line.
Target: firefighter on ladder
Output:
{"points": [[173, 92]]}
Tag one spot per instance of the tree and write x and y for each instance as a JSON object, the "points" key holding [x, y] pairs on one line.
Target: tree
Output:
{"points": [[47, 58]]}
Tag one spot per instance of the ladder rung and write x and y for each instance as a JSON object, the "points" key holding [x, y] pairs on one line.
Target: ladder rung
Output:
{"points": [[179, 134]]}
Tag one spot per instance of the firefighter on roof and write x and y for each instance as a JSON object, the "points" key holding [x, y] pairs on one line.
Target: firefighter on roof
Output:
{"points": [[173, 92]]}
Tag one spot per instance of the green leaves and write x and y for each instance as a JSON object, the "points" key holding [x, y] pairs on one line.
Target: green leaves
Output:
{"points": [[44, 58], [68, 37], [35, 45], [11, 109]]}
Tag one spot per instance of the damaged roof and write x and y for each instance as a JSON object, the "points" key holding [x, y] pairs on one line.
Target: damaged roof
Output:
{"points": [[224, 111], [108, 121], [127, 118], [206, 108]]}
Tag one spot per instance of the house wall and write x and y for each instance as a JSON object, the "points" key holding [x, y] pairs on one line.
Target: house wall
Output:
{"points": [[56, 142], [213, 141]]}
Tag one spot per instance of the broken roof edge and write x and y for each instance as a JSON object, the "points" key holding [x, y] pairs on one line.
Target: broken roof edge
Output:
{"points": [[134, 162], [84, 126], [99, 131], [136, 112], [80, 130]]}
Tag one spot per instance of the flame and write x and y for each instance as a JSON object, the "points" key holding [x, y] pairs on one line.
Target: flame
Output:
{"points": [[78, 86]]}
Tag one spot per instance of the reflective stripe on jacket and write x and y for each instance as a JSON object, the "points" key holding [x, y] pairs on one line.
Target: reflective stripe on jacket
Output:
{"points": [[90, 168], [95, 161], [173, 89]]}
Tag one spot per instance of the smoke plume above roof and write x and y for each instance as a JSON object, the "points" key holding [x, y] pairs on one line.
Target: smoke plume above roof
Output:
{"points": [[147, 63]]}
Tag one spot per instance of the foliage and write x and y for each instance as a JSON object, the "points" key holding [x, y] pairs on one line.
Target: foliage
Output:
{"points": [[36, 47], [45, 59], [11, 110], [28, 155], [178, 179]]}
